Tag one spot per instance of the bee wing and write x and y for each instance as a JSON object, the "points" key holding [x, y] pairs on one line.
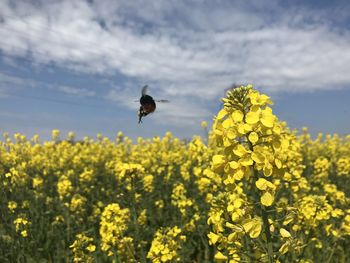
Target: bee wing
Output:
{"points": [[162, 100], [144, 90]]}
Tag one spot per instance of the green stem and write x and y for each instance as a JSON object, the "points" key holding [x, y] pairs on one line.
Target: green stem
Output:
{"points": [[68, 233], [308, 237], [333, 250], [267, 233], [264, 214]]}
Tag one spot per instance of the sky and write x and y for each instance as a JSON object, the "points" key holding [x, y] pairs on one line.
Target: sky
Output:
{"points": [[80, 65]]}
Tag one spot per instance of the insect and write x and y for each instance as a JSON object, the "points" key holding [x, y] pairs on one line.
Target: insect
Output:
{"points": [[148, 104]]}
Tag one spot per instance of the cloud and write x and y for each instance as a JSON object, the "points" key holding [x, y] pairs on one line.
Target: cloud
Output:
{"points": [[77, 91], [9, 82], [183, 112], [191, 52]]}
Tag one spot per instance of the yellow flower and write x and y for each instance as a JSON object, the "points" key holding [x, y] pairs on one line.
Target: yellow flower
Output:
{"points": [[253, 116], [55, 134], [267, 199], [222, 113], [91, 248], [267, 118], [220, 257], [237, 116], [284, 233], [218, 161], [213, 238], [24, 233], [142, 219], [253, 227], [253, 137], [12, 205]]}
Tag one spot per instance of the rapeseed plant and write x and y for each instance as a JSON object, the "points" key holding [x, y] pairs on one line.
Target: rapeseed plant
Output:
{"points": [[251, 190]]}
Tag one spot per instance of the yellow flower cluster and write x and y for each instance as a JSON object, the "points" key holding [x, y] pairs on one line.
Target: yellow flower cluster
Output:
{"points": [[266, 206], [82, 248], [179, 199], [112, 230], [343, 166], [64, 187], [22, 225], [321, 167], [165, 245]]}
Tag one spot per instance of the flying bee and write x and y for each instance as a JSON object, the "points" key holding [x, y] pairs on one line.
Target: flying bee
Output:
{"points": [[148, 104]]}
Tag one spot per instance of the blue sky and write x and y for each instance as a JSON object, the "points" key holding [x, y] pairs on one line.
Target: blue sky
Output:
{"points": [[79, 65]]}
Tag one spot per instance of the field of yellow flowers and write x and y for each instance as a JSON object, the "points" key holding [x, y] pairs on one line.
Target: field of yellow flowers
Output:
{"points": [[253, 191]]}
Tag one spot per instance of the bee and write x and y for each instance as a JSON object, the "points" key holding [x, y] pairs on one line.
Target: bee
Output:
{"points": [[148, 104]]}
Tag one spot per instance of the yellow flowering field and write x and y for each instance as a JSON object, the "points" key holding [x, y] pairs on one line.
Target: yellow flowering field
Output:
{"points": [[252, 191]]}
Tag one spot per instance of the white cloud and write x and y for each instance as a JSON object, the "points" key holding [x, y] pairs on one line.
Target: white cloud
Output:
{"points": [[9, 82], [191, 52], [77, 91]]}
